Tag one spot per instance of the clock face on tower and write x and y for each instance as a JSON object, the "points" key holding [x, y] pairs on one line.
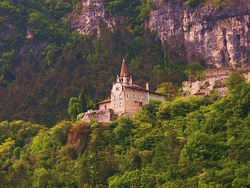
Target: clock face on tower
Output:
{"points": [[117, 89]]}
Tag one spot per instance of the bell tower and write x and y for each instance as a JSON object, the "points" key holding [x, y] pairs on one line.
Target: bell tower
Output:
{"points": [[124, 77]]}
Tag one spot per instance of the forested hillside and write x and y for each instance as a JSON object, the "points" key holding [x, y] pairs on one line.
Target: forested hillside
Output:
{"points": [[44, 62], [184, 143]]}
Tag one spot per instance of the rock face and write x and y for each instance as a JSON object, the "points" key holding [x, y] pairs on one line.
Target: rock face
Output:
{"points": [[90, 17], [215, 79], [218, 37]]}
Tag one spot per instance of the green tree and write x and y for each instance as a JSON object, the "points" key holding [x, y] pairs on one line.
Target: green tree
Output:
{"points": [[123, 129], [168, 89], [178, 107], [201, 151], [20, 171], [194, 68], [149, 111], [60, 132], [6, 151], [39, 25], [65, 172], [7, 61], [234, 78], [74, 108], [42, 178], [86, 103]]}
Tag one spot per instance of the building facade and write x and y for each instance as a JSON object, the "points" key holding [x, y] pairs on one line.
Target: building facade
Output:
{"points": [[127, 98]]}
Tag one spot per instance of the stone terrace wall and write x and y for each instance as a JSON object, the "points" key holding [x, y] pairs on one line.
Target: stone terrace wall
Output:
{"points": [[215, 79], [99, 115]]}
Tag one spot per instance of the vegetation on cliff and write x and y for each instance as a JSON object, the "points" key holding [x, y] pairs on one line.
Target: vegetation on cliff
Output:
{"points": [[44, 62], [178, 143], [184, 143]]}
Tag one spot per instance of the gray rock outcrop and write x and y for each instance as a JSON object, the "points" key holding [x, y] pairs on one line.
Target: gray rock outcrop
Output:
{"points": [[214, 79], [90, 16], [218, 37]]}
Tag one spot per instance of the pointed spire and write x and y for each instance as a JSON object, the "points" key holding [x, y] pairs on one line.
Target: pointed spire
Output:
{"points": [[124, 70]]}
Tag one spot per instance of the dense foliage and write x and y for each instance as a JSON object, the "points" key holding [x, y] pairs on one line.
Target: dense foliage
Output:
{"points": [[44, 62], [47, 70], [184, 143]]}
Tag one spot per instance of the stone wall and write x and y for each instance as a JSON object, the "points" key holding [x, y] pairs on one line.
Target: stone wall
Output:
{"points": [[215, 79], [99, 115]]}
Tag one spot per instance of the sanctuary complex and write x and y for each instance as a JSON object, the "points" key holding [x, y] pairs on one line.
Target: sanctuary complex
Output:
{"points": [[126, 98]]}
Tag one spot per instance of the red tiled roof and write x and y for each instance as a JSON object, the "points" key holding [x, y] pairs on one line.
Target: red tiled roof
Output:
{"points": [[105, 101], [124, 70]]}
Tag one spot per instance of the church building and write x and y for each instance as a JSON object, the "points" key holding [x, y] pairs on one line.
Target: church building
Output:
{"points": [[126, 98]]}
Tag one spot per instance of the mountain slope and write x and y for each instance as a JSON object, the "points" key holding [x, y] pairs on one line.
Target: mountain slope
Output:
{"points": [[44, 61], [217, 34]]}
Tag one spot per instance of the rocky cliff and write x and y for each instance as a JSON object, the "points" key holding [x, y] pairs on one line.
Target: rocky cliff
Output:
{"points": [[214, 80], [92, 12], [220, 37]]}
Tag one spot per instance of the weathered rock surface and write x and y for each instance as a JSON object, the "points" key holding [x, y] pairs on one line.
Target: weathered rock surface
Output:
{"points": [[215, 79], [219, 37], [90, 16]]}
